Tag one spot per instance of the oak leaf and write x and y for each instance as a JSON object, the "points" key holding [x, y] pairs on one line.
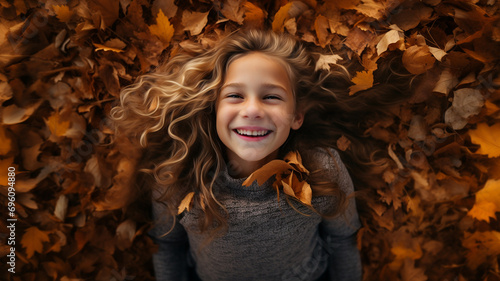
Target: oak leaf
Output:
{"points": [[33, 240], [489, 139], [185, 203], [162, 29], [362, 81], [487, 201]]}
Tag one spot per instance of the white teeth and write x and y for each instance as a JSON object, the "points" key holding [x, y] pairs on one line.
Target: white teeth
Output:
{"points": [[251, 133]]}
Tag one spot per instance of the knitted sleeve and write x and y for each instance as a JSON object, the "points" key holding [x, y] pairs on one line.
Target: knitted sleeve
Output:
{"points": [[170, 261], [339, 232]]}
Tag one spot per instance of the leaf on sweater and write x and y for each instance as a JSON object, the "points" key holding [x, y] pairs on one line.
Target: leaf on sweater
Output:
{"points": [[185, 203], [274, 167]]}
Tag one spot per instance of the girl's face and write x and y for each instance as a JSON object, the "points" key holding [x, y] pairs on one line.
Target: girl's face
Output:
{"points": [[255, 111]]}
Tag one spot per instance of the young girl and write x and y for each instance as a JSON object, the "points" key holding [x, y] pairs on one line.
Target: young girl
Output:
{"points": [[246, 185]]}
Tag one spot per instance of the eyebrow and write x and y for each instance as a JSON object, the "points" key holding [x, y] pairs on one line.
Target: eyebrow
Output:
{"points": [[264, 86]]}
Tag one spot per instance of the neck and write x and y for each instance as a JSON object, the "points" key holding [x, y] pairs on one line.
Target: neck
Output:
{"points": [[240, 168]]}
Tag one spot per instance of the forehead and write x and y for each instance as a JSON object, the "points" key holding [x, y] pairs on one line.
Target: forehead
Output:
{"points": [[258, 68]]}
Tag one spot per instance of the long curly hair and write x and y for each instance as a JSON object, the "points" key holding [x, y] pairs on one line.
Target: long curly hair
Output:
{"points": [[171, 114]]}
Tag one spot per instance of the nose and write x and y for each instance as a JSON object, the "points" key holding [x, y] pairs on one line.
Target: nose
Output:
{"points": [[252, 108]]}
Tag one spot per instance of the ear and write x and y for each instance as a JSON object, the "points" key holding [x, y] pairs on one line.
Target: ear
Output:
{"points": [[297, 121]]}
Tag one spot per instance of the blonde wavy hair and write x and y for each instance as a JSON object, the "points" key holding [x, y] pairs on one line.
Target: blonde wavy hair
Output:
{"points": [[171, 114]]}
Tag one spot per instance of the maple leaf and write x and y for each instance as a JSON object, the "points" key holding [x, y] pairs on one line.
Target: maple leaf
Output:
{"points": [[481, 245], [33, 240], [487, 201], [488, 137], [185, 203], [62, 12], [324, 61], [162, 29], [362, 81]]}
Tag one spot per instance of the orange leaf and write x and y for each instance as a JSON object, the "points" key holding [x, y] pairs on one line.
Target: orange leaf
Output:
{"points": [[363, 80], [488, 138], [286, 12], [418, 59], [62, 12], [57, 125], [33, 240], [261, 175], [186, 203], [481, 245], [162, 29], [321, 26], [487, 201]]}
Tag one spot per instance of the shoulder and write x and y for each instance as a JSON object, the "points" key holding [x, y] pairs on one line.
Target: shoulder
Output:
{"points": [[326, 164]]}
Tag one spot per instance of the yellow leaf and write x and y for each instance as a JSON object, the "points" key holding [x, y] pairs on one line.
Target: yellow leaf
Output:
{"points": [[362, 81], [487, 201], [62, 12], [162, 29], [186, 203], [57, 125], [33, 240], [488, 138]]}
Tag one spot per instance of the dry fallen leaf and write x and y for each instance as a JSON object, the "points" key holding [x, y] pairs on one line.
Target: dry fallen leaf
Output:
{"points": [[194, 22], [63, 12], [467, 102], [418, 59], [324, 61], [33, 239], [162, 29], [487, 201], [489, 139], [362, 81]]}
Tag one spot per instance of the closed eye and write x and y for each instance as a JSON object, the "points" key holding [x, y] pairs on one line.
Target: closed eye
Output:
{"points": [[236, 96], [272, 97]]}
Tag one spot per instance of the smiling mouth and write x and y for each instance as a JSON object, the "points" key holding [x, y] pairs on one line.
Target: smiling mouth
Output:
{"points": [[250, 133]]}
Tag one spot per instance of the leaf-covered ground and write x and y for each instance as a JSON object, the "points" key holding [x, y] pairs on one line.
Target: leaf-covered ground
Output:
{"points": [[63, 63]]}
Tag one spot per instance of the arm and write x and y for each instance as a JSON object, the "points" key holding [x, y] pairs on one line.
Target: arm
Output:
{"points": [[340, 232], [170, 262]]}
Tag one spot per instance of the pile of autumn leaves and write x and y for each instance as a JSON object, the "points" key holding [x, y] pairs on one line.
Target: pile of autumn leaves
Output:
{"points": [[434, 218]]}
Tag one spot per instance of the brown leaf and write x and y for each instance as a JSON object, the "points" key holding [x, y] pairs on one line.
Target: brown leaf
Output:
{"points": [[418, 59], [254, 16], [286, 12], [13, 114], [390, 37], [321, 26], [466, 103], [234, 10], [194, 22], [63, 12], [267, 171]]}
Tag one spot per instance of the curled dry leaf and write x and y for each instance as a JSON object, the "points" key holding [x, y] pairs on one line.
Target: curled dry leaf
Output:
{"points": [[390, 37], [418, 59]]}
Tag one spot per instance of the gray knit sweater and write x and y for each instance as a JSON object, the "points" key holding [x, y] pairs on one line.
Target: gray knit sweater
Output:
{"points": [[266, 239]]}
